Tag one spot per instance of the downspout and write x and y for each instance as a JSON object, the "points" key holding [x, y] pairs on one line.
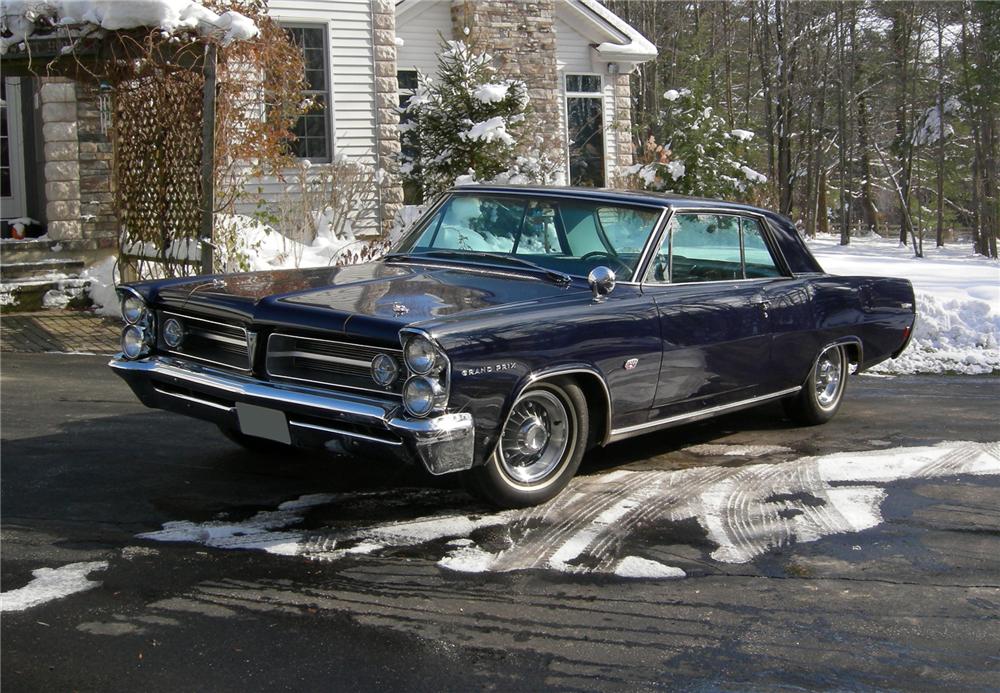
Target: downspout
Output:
{"points": [[379, 174], [613, 71]]}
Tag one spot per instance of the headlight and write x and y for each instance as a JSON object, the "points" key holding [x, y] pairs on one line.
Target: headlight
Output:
{"points": [[134, 342], [384, 370], [173, 333], [133, 308], [420, 355], [421, 395]]}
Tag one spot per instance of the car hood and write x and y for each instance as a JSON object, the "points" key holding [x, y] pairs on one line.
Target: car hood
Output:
{"points": [[373, 299]]}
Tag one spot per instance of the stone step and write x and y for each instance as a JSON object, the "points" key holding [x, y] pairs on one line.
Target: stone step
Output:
{"points": [[39, 268], [35, 249], [32, 294]]}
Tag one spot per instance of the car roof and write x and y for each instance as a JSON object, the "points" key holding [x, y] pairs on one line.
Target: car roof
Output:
{"points": [[610, 195]]}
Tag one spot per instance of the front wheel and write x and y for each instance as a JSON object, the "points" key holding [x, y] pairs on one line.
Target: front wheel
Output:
{"points": [[823, 390], [540, 447]]}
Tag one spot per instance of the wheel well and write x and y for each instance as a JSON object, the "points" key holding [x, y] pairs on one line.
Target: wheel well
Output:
{"points": [[853, 351], [597, 405]]}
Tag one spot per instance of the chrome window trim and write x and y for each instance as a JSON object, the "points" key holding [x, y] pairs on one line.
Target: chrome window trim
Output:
{"points": [[184, 354], [322, 383], [766, 233], [650, 426], [419, 227]]}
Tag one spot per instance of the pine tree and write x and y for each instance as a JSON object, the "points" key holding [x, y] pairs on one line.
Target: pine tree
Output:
{"points": [[465, 125], [700, 155]]}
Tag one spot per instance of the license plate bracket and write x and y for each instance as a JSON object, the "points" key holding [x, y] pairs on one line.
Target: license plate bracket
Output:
{"points": [[263, 422]]}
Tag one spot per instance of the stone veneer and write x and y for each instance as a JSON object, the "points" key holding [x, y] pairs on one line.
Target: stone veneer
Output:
{"points": [[387, 105], [520, 35], [622, 127], [77, 161]]}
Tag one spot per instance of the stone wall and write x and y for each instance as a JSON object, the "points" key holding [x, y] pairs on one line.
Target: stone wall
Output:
{"points": [[519, 35], [77, 163], [61, 157], [387, 103], [97, 218], [622, 126]]}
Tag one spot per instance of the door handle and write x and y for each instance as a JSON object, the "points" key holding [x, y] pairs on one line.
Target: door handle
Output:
{"points": [[761, 303]]}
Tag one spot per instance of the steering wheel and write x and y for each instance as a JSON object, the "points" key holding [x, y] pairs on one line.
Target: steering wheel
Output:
{"points": [[612, 258]]}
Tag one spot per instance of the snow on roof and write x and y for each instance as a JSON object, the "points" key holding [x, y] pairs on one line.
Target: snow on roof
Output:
{"points": [[638, 48], [22, 17]]}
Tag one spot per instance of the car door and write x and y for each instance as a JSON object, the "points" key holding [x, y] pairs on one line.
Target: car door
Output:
{"points": [[714, 322]]}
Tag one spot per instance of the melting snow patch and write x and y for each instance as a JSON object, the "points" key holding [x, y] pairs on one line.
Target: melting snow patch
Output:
{"points": [[737, 450], [744, 511], [51, 583], [636, 567]]}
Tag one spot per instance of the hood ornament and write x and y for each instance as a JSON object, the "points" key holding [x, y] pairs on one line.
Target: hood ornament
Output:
{"points": [[399, 309]]}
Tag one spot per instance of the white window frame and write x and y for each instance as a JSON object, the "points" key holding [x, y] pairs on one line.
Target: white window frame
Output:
{"points": [[328, 91], [599, 95], [14, 206]]}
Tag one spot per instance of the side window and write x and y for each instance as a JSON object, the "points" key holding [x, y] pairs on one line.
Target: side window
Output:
{"points": [[757, 256], [705, 248]]}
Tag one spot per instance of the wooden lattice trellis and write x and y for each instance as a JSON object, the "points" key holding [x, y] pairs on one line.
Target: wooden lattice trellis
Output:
{"points": [[158, 171]]}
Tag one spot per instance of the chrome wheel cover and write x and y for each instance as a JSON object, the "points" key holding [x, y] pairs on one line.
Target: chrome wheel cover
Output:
{"points": [[536, 437], [828, 377]]}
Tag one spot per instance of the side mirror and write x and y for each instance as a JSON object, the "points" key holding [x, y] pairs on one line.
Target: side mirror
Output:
{"points": [[602, 282]]}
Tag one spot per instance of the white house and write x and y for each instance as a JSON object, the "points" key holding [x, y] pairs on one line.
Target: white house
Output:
{"points": [[575, 56]]}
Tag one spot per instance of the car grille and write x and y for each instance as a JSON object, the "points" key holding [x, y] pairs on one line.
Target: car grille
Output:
{"points": [[328, 362], [218, 343]]}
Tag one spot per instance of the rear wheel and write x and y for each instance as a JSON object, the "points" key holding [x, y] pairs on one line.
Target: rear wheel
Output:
{"points": [[540, 447], [823, 390]]}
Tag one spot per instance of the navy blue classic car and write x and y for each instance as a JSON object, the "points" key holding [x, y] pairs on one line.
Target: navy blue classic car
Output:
{"points": [[511, 330]]}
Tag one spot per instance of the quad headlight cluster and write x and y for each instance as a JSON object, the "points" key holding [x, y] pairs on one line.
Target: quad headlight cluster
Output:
{"points": [[426, 387], [139, 334]]}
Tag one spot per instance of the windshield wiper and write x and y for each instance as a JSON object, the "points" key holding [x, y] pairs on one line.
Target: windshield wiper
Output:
{"points": [[560, 278]]}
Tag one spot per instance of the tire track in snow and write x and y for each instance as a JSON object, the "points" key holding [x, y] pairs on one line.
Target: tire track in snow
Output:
{"points": [[745, 512]]}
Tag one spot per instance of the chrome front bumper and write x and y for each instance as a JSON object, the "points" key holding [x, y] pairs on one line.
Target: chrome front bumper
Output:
{"points": [[316, 418]]}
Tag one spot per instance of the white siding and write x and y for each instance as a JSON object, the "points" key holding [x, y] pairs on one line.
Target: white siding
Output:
{"points": [[352, 74], [422, 30]]}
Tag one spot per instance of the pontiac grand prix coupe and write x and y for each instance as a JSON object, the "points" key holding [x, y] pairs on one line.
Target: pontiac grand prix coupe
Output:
{"points": [[511, 330]]}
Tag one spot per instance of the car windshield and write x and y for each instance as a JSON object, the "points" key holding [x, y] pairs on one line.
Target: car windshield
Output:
{"points": [[562, 235]]}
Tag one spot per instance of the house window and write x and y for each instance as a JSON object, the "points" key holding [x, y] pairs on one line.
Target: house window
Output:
{"points": [[313, 129], [408, 82], [585, 129]]}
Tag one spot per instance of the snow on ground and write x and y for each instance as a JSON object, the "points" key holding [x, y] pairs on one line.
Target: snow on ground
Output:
{"points": [[51, 583], [745, 512], [958, 301]]}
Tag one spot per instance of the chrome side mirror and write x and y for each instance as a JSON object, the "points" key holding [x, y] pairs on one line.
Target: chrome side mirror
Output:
{"points": [[602, 282]]}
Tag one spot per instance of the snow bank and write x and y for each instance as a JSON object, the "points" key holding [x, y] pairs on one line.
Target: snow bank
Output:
{"points": [[266, 249], [20, 17], [958, 301], [102, 286]]}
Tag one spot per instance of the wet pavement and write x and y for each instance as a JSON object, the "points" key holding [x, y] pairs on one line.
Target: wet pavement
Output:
{"points": [[742, 553]]}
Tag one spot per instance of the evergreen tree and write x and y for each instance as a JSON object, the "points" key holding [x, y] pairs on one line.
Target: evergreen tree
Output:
{"points": [[465, 125], [700, 155]]}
